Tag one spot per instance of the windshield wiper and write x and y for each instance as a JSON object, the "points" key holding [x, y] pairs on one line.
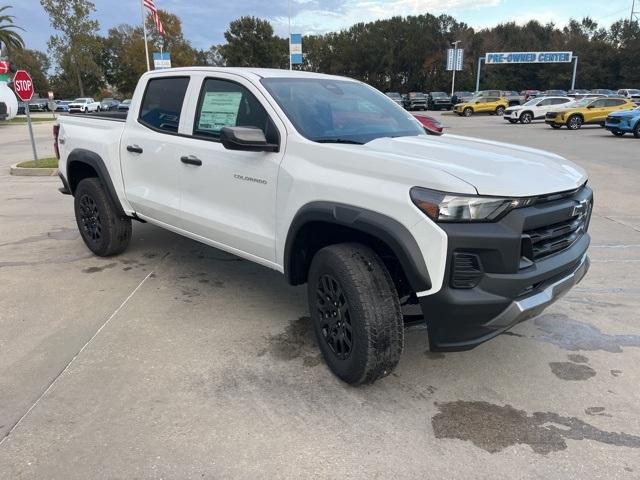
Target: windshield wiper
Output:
{"points": [[339, 140]]}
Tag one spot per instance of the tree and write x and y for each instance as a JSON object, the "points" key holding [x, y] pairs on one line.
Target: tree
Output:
{"points": [[122, 58], [36, 63], [8, 36], [173, 41], [77, 47], [251, 43]]}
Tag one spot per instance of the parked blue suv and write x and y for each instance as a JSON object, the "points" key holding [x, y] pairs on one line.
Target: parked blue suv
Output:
{"points": [[624, 121]]}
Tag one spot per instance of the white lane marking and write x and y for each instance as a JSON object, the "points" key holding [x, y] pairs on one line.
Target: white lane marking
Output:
{"points": [[115, 312]]}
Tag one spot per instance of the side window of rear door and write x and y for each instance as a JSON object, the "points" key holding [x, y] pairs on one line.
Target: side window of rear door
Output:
{"points": [[224, 103], [162, 103]]}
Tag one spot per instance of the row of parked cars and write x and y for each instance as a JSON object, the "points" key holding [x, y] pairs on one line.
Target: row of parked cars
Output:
{"points": [[443, 101], [617, 113], [79, 105]]}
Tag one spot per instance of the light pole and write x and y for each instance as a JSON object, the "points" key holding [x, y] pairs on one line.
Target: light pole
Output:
{"points": [[455, 62]]}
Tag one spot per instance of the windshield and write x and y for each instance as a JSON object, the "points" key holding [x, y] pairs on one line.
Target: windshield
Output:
{"points": [[633, 91], [438, 94], [393, 95], [326, 110], [532, 102], [80, 100], [581, 103], [127, 102]]}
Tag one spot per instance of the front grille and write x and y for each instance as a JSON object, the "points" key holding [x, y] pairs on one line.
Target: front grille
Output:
{"points": [[551, 115], [544, 241], [613, 120]]}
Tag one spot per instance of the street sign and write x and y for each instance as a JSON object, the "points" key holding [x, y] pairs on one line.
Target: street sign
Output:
{"points": [[455, 59], [4, 67], [23, 85]]}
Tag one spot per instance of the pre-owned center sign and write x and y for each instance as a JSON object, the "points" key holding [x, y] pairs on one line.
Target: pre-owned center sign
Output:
{"points": [[527, 57]]}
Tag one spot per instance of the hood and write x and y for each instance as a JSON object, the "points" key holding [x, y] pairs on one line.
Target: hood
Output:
{"points": [[626, 113], [493, 168]]}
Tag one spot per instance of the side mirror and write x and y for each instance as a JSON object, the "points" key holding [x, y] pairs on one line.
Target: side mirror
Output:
{"points": [[249, 139]]}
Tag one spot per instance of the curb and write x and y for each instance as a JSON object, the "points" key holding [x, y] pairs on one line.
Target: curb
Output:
{"points": [[32, 172]]}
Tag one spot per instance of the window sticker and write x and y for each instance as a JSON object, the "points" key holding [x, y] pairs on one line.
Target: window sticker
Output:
{"points": [[219, 109]]}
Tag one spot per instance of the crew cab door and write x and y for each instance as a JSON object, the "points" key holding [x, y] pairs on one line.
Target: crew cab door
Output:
{"points": [[150, 161], [229, 196]]}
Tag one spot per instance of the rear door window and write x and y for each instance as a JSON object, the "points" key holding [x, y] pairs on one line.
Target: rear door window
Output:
{"points": [[162, 103]]}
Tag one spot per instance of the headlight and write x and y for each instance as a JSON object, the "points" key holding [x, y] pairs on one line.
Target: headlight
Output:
{"points": [[452, 207]]}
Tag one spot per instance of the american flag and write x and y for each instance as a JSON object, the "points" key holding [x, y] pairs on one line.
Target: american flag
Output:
{"points": [[154, 11]]}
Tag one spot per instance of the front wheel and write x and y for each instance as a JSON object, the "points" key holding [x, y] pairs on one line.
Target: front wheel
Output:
{"points": [[500, 111], [636, 131], [467, 112], [574, 122], [526, 118], [356, 313], [102, 228]]}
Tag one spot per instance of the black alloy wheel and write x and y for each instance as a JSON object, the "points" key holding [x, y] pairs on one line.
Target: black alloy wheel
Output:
{"points": [[90, 219], [335, 317]]}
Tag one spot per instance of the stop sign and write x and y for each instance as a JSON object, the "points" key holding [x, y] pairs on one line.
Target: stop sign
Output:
{"points": [[4, 67], [23, 85]]}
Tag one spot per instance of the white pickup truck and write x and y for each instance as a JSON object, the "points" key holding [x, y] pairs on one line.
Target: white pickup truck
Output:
{"points": [[332, 183]]}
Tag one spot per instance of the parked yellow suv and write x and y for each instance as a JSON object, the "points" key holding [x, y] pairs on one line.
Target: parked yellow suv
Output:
{"points": [[587, 111], [492, 105]]}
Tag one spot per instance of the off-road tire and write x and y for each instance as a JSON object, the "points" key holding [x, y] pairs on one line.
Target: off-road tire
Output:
{"points": [[526, 118], [103, 229], [467, 112], [367, 302], [574, 122]]}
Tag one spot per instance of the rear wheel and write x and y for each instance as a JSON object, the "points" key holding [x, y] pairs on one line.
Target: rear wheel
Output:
{"points": [[526, 117], [467, 112], [356, 313], [500, 111], [574, 122], [102, 228]]}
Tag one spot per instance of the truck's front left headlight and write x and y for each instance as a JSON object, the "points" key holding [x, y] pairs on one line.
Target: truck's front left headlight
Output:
{"points": [[453, 207]]}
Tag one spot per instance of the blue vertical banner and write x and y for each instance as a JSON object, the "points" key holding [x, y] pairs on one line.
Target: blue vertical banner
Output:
{"points": [[161, 60], [295, 48]]}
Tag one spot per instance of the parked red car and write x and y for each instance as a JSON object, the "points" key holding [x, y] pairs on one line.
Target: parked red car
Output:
{"points": [[430, 124]]}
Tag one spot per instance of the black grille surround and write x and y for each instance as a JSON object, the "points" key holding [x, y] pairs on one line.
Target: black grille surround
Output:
{"points": [[613, 120], [540, 242]]}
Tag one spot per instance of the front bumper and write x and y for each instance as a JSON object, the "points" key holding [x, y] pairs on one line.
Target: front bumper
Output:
{"points": [[510, 287]]}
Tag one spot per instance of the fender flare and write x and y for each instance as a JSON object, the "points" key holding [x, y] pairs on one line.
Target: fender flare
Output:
{"points": [[394, 234], [87, 157]]}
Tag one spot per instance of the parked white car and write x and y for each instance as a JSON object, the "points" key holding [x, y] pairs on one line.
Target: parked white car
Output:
{"points": [[534, 109], [332, 183], [84, 105]]}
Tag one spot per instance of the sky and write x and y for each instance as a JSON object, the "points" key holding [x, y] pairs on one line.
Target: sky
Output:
{"points": [[204, 21]]}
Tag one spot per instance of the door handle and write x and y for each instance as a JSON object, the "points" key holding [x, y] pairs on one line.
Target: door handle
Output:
{"points": [[191, 160], [134, 149]]}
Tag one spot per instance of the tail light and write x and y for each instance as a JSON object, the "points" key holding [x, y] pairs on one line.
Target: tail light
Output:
{"points": [[56, 132]]}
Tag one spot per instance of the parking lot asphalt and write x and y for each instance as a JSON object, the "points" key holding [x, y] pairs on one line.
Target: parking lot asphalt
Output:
{"points": [[177, 360]]}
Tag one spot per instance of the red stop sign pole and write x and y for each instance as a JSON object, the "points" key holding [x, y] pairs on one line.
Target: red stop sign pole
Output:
{"points": [[23, 86]]}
